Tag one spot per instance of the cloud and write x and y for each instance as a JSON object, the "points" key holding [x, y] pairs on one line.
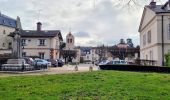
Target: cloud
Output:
{"points": [[81, 34], [102, 24]]}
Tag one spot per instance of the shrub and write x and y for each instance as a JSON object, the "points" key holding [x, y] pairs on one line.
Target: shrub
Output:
{"points": [[167, 58]]}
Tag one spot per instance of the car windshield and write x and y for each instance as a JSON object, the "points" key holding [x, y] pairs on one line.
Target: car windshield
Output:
{"points": [[38, 60], [44, 61], [122, 62], [117, 62]]}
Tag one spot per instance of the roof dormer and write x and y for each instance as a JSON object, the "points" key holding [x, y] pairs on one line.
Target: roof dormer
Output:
{"points": [[166, 6]]}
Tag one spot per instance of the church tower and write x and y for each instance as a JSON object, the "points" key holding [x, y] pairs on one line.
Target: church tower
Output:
{"points": [[70, 41]]}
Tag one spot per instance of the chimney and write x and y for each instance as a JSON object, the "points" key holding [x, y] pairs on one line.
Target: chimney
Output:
{"points": [[39, 26], [152, 4], [19, 23]]}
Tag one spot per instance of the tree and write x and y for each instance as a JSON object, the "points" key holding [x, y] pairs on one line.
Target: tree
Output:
{"points": [[134, 3], [68, 55]]}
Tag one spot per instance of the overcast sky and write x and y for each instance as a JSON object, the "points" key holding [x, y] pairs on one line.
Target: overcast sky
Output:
{"points": [[102, 22]]}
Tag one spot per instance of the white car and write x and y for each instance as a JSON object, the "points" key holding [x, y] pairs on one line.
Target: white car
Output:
{"points": [[104, 62], [121, 62], [41, 62]]}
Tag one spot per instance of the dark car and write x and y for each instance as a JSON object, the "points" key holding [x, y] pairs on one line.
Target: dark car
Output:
{"points": [[54, 63], [60, 62], [29, 60]]}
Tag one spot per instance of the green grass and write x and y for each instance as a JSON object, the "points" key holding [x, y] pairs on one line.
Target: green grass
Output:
{"points": [[99, 85]]}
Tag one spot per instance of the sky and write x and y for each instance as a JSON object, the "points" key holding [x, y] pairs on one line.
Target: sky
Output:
{"points": [[92, 23]]}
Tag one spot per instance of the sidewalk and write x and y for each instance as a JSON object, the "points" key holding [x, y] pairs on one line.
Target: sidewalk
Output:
{"points": [[54, 70]]}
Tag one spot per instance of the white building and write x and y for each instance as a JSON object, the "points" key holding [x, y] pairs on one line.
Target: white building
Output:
{"points": [[155, 32], [89, 53], [41, 43], [7, 25], [70, 41], [70, 46]]}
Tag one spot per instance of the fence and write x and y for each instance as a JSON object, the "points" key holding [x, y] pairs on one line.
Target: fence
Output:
{"points": [[143, 68], [146, 62], [21, 67]]}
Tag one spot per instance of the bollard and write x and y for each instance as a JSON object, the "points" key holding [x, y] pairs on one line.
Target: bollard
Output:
{"points": [[90, 68], [76, 68], [23, 66]]}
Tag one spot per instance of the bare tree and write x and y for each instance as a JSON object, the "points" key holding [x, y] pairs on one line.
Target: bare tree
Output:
{"points": [[133, 4], [136, 2]]}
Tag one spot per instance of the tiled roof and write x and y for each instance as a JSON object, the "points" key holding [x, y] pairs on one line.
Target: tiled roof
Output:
{"points": [[7, 21], [158, 9], [44, 33]]}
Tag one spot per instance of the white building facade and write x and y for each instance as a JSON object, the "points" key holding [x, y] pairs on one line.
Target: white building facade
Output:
{"points": [[7, 25], [41, 43], [155, 32]]}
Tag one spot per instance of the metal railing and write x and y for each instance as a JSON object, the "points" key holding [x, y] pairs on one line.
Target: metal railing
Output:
{"points": [[146, 62]]}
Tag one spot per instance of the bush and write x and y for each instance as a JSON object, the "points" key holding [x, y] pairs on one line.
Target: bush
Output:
{"points": [[167, 58]]}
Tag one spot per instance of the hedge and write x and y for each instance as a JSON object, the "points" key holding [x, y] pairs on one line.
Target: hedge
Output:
{"points": [[135, 68]]}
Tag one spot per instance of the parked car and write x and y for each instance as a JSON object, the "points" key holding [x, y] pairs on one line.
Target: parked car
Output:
{"points": [[60, 62], [42, 62], [104, 62], [29, 61], [117, 62], [54, 63]]}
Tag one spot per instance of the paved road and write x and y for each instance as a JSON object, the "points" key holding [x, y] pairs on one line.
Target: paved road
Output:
{"points": [[81, 67], [55, 70]]}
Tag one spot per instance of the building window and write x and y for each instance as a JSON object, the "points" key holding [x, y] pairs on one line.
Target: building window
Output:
{"points": [[41, 42], [41, 55], [3, 21], [149, 36], [87, 57], [70, 40], [146, 57], [151, 55], [4, 32], [169, 31], [10, 45], [144, 39], [3, 44], [23, 54], [23, 42], [10, 23]]}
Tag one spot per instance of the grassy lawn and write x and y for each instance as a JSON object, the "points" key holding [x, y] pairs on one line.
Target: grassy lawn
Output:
{"points": [[99, 85]]}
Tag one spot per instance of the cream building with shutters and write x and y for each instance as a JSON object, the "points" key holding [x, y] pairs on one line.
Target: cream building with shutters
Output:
{"points": [[41, 43], [154, 32]]}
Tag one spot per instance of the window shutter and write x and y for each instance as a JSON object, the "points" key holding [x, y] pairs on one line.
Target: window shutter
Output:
{"points": [[38, 42], [169, 31], [45, 42], [26, 42]]}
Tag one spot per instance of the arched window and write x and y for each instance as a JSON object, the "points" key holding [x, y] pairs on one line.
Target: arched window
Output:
{"points": [[70, 40]]}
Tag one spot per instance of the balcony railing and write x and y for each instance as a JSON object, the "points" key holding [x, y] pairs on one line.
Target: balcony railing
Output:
{"points": [[146, 62]]}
